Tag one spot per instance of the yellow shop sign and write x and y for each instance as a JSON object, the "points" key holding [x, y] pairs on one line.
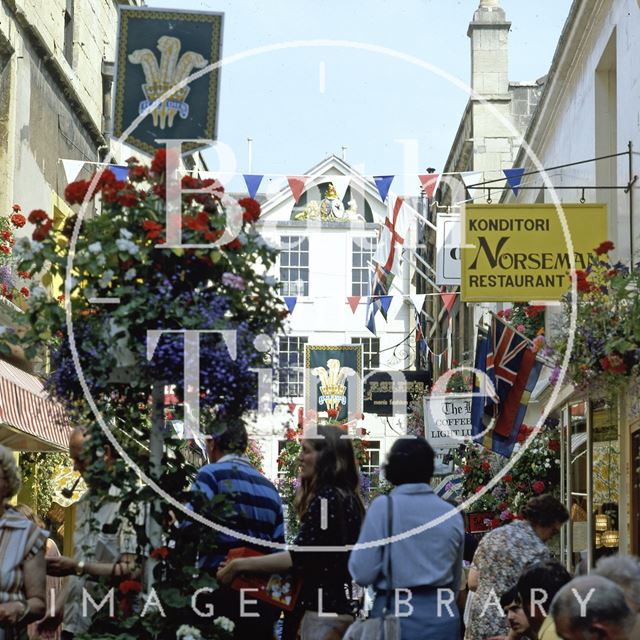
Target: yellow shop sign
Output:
{"points": [[518, 252]]}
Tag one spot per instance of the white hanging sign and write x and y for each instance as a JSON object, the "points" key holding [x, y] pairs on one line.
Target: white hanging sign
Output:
{"points": [[448, 250]]}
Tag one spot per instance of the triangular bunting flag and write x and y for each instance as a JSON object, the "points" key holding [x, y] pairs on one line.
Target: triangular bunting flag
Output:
{"points": [[121, 173], [514, 178], [354, 301], [72, 168], [340, 184], [448, 300], [385, 301], [383, 183], [296, 184], [290, 301], [429, 182], [473, 177], [418, 300], [253, 183]]}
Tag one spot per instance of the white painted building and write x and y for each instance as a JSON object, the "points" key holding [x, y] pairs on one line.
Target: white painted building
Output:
{"points": [[322, 264], [590, 108]]}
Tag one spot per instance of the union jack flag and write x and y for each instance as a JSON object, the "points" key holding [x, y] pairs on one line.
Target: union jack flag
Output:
{"points": [[508, 363]]}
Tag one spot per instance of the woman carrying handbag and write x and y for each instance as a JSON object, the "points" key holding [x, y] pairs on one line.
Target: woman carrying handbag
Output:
{"points": [[423, 570], [331, 511]]}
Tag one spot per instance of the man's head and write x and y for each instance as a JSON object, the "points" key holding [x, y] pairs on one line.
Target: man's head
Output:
{"points": [[592, 608], [83, 454], [233, 439], [625, 572], [537, 586], [512, 607]]}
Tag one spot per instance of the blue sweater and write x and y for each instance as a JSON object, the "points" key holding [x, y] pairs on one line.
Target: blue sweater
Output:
{"points": [[431, 556]]}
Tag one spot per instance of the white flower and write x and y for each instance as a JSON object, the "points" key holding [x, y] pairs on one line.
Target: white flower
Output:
{"points": [[101, 260], [224, 623], [130, 274], [126, 246], [36, 246], [271, 281], [185, 632], [96, 247], [106, 278], [125, 233]]}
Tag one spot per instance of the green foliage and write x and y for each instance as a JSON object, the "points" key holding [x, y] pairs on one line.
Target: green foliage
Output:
{"points": [[39, 470]]}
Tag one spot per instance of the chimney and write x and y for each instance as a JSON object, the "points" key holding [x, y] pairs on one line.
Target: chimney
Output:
{"points": [[489, 33]]}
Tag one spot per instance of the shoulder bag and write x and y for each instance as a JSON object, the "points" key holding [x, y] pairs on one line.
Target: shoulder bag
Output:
{"points": [[386, 627]]}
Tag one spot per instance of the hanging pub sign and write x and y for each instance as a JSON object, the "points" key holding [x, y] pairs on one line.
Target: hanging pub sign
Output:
{"points": [[448, 250], [333, 380], [388, 393], [512, 253], [447, 419], [158, 51]]}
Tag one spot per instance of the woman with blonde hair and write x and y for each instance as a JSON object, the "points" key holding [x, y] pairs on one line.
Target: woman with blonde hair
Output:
{"points": [[331, 510], [22, 563]]}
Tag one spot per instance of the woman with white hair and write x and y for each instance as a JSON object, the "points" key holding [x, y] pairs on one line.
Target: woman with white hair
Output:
{"points": [[22, 563], [625, 572]]}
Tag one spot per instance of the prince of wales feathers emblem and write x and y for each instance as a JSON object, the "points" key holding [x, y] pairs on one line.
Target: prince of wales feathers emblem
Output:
{"points": [[161, 78], [332, 384]]}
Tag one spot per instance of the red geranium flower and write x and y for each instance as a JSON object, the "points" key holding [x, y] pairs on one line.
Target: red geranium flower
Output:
{"points": [[127, 586], [251, 209], [18, 220], [613, 362], [137, 173], [554, 445], [4, 248], [42, 231], [485, 465], [332, 413], [152, 228], [605, 247], [466, 468], [538, 486], [76, 192], [128, 199], [233, 245], [16, 208], [37, 216], [159, 162], [160, 552], [534, 310], [508, 477], [199, 222], [25, 292]]}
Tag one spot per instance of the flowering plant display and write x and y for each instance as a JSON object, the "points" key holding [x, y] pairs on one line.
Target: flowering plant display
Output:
{"points": [[527, 319], [122, 285], [14, 284], [536, 471], [606, 349]]}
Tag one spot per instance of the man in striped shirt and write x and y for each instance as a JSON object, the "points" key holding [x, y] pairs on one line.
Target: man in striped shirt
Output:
{"points": [[255, 511]]}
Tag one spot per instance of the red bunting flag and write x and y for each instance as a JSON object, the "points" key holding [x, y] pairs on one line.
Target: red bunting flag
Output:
{"points": [[354, 301], [296, 184], [429, 182], [448, 300]]}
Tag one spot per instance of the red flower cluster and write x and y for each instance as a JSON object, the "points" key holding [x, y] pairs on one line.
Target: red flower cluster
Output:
{"points": [[159, 162], [43, 224], [614, 363], [538, 487], [160, 552], [130, 586], [76, 192], [251, 209], [332, 413], [533, 310], [152, 228], [604, 247], [17, 219], [582, 284]]}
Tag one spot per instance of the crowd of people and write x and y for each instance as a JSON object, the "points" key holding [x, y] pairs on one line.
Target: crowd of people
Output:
{"points": [[406, 550]]}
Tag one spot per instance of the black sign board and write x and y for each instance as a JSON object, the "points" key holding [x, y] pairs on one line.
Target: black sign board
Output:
{"points": [[379, 386], [157, 51]]}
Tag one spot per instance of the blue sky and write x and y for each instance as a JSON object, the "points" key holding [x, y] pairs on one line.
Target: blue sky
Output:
{"points": [[300, 104]]}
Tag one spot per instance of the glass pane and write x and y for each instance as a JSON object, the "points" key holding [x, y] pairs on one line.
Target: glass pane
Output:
{"points": [[294, 259], [304, 258]]}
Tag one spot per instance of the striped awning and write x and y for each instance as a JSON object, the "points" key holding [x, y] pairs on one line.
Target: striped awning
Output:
{"points": [[29, 419]]}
